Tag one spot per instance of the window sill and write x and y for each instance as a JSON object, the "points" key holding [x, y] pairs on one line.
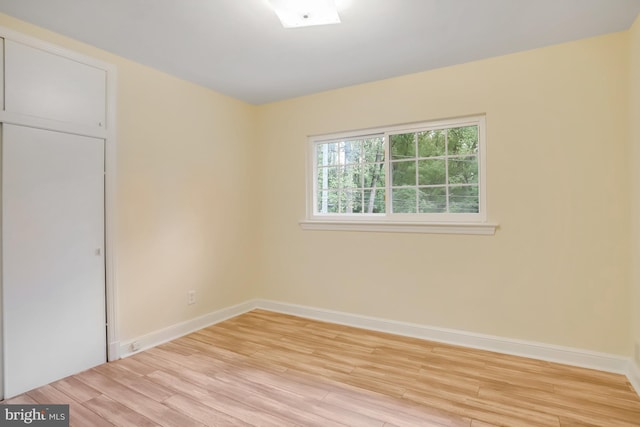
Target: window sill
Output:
{"points": [[401, 227]]}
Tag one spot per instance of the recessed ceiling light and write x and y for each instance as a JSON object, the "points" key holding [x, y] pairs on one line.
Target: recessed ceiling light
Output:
{"points": [[305, 13]]}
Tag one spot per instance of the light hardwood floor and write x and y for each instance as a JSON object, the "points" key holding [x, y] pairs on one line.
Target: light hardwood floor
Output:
{"points": [[269, 369]]}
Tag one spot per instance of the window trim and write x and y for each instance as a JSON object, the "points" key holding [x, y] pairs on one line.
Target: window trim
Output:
{"points": [[401, 227], [447, 223]]}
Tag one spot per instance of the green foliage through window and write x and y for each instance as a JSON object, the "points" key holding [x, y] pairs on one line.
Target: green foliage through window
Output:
{"points": [[351, 176], [440, 167]]}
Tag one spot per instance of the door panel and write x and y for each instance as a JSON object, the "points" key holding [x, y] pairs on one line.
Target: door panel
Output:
{"points": [[52, 250]]}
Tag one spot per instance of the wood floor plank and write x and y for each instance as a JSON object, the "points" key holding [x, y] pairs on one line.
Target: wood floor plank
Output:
{"points": [[117, 413], [269, 369], [137, 402], [611, 409], [138, 383], [201, 412], [76, 389], [79, 414], [135, 367], [394, 411], [217, 401], [22, 399]]}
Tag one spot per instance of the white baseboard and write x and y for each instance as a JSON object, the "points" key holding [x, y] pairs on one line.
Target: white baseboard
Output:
{"points": [[552, 353], [113, 351], [535, 350], [181, 329]]}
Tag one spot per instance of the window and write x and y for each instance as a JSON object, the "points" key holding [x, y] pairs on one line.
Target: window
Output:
{"points": [[429, 176]]}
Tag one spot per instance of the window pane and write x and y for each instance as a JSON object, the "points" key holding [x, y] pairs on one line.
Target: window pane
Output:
{"points": [[374, 200], [328, 178], [374, 175], [404, 200], [463, 170], [352, 201], [432, 200], [352, 176], [431, 143], [464, 199], [432, 172], [403, 146], [340, 200], [350, 152], [373, 150], [403, 173], [327, 202], [463, 140], [327, 154], [321, 206]]}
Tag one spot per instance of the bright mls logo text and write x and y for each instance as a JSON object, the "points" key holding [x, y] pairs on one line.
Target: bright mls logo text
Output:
{"points": [[38, 415]]}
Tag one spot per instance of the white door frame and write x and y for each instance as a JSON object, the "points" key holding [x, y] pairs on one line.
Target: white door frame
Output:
{"points": [[108, 133]]}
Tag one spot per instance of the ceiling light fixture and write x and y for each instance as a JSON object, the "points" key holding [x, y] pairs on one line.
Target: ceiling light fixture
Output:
{"points": [[305, 13]]}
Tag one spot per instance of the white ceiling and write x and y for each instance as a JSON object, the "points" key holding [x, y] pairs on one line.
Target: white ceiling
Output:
{"points": [[239, 48]]}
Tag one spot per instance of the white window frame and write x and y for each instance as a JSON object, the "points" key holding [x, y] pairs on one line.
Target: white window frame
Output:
{"points": [[443, 223]]}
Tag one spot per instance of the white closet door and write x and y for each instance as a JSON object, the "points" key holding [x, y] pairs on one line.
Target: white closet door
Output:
{"points": [[52, 250]]}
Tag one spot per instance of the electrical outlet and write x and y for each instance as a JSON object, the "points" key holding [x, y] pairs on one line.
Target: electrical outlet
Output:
{"points": [[135, 346], [191, 297]]}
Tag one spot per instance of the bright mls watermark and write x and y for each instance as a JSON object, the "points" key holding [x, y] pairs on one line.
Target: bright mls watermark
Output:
{"points": [[34, 415]]}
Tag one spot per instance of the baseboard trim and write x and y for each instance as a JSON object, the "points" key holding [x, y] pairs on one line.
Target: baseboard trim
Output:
{"points": [[552, 353], [184, 328], [633, 375], [113, 351], [535, 350]]}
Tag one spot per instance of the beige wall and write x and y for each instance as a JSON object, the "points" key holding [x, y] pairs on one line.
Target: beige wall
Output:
{"points": [[183, 165], [634, 120], [557, 270]]}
